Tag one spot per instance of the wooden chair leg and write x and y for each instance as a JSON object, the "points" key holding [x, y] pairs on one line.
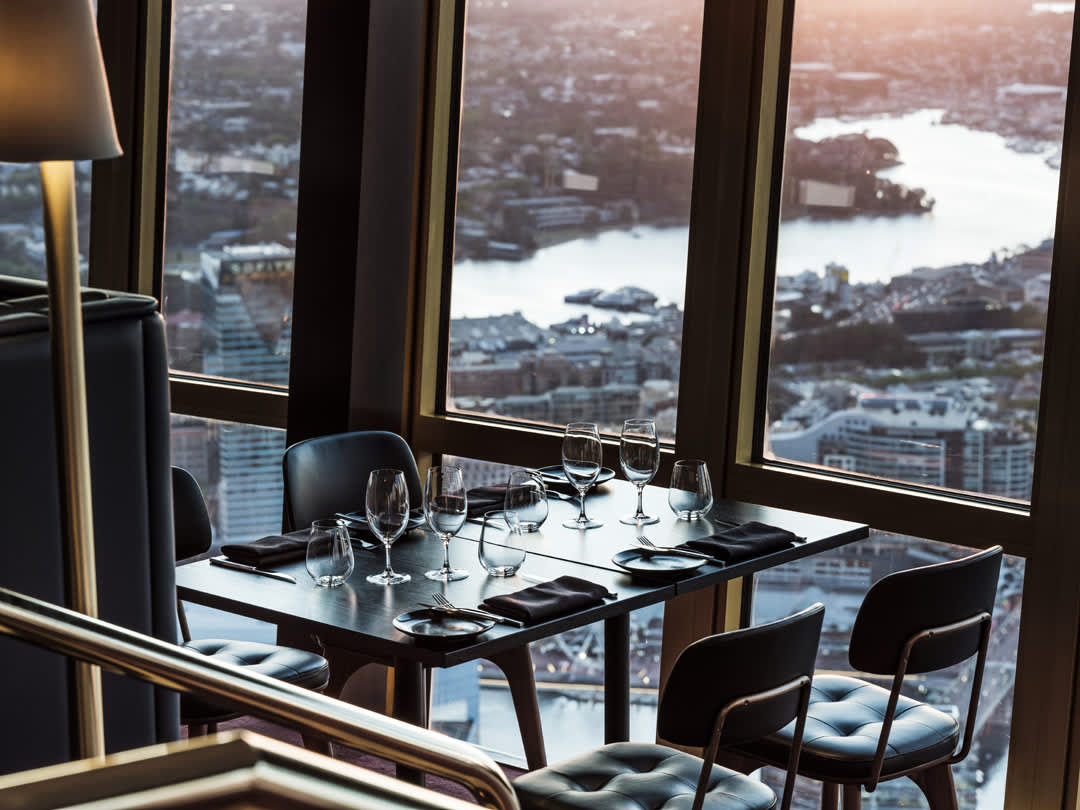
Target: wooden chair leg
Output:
{"points": [[852, 797], [196, 730], [937, 786], [211, 728], [516, 664]]}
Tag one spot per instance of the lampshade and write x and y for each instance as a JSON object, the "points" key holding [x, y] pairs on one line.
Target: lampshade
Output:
{"points": [[54, 97]]}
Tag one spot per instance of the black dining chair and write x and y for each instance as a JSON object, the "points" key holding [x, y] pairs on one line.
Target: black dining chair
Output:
{"points": [[859, 734], [329, 474], [722, 690], [191, 524]]}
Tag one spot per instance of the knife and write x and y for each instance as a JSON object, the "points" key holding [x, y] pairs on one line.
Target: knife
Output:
{"points": [[251, 569]]}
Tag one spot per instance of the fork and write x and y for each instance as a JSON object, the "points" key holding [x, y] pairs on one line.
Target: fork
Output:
{"points": [[649, 544], [450, 607]]}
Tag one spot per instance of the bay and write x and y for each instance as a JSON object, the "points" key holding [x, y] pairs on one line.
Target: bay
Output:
{"points": [[989, 198]]}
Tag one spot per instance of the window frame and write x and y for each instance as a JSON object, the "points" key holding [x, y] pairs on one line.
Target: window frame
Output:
{"points": [[744, 67]]}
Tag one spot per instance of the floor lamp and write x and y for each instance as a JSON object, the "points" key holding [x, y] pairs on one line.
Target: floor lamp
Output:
{"points": [[55, 109]]}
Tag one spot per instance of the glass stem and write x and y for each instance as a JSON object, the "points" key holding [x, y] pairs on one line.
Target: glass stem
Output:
{"points": [[640, 511], [581, 518], [446, 552], [389, 571]]}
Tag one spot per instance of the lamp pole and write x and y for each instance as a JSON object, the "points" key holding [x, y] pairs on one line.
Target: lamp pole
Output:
{"points": [[72, 435]]}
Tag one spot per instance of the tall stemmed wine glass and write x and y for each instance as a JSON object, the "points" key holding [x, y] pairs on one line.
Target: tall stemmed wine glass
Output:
{"points": [[639, 457], [445, 508], [387, 507], [582, 455]]}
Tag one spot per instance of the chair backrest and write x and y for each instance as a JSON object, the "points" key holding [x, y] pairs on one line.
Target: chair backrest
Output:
{"points": [[329, 474], [907, 602], [713, 672], [190, 518]]}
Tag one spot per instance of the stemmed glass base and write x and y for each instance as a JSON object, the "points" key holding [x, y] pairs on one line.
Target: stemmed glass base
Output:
{"points": [[588, 523], [639, 520], [447, 574], [388, 578], [582, 521]]}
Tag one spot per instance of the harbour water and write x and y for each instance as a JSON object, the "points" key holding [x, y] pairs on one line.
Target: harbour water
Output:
{"points": [[989, 198]]}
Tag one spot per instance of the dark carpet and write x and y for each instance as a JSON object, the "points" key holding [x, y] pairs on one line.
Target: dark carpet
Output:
{"points": [[355, 757]]}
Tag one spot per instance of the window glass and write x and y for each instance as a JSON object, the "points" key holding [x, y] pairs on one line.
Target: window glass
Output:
{"points": [[573, 198], [238, 468], [22, 237], [914, 241], [234, 151], [840, 579]]}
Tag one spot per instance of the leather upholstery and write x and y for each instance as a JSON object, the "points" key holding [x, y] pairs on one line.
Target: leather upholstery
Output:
{"points": [[843, 724], [127, 382], [329, 474], [637, 776], [298, 667]]}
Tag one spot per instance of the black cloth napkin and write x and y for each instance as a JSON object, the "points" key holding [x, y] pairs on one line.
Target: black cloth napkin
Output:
{"points": [[548, 600], [267, 551], [751, 539], [484, 499]]}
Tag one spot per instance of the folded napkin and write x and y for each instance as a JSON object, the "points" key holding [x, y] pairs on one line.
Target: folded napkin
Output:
{"points": [[484, 499], [743, 542], [267, 551], [547, 600]]}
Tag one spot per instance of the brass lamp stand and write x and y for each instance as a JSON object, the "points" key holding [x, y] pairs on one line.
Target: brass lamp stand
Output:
{"points": [[56, 109]]}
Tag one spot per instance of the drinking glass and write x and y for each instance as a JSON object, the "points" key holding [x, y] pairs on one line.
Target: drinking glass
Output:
{"points": [[690, 496], [329, 553], [387, 508], [526, 503], [445, 508], [582, 455], [639, 457], [500, 556]]}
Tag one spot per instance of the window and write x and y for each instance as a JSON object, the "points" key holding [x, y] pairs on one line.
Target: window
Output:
{"points": [[238, 468], [573, 198], [22, 238], [234, 150], [916, 222]]}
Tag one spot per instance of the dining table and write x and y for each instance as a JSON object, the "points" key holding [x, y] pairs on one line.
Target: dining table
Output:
{"points": [[359, 616]]}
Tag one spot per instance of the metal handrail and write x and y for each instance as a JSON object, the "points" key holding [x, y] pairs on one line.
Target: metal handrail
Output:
{"points": [[164, 664]]}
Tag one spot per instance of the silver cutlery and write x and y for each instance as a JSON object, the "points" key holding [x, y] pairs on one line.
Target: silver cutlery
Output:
{"points": [[541, 581], [251, 569], [442, 603], [683, 552]]}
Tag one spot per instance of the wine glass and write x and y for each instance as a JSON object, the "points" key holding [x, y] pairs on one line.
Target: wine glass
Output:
{"points": [[329, 556], [690, 496], [445, 508], [525, 504], [387, 507], [582, 455], [639, 457]]}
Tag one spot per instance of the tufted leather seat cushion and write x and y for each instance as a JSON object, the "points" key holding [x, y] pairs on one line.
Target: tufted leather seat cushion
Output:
{"points": [[843, 724], [298, 667], [637, 776]]}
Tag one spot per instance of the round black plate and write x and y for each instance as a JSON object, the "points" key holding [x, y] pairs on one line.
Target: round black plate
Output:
{"points": [[556, 475], [435, 625], [655, 564]]}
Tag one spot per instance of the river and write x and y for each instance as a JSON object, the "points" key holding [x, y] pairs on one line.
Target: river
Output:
{"points": [[988, 198]]}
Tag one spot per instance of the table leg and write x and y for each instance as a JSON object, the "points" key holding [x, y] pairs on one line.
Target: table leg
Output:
{"points": [[617, 678], [410, 705], [516, 665]]}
